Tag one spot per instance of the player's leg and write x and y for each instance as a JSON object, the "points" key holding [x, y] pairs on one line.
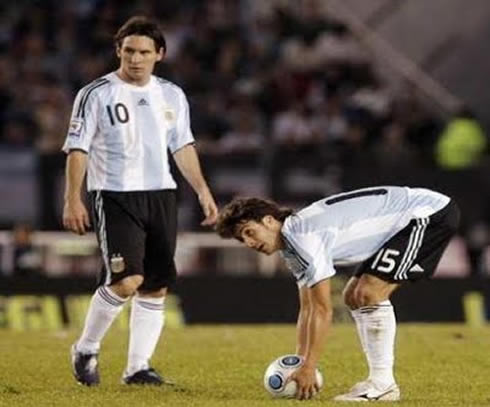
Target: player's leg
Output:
{"points": [[147, 318], [146, 323], [349, 300], [368, 299], [367, 295], [377, 318], [411, 254], [121, 241], [348, 296]]}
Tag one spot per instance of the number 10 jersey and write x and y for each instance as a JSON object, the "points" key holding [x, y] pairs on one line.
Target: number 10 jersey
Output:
{"points": [[127, 131]]}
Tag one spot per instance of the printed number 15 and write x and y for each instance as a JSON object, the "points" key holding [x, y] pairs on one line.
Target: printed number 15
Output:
{"points": [[384, 261]]}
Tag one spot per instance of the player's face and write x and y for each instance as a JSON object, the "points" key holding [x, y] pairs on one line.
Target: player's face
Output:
{"points": [[264, 236], [138, 57]]}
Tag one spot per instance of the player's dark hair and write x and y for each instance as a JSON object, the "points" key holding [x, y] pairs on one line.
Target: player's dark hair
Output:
{"points": [[141, 25], [242, 210]]}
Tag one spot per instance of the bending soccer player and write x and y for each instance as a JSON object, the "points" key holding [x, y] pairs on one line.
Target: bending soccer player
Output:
{"points": [[122, 129], [394, 234]]}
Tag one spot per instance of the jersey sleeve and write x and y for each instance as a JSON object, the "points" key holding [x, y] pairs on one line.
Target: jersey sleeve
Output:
{"points": [[182, 134], [307, 255], [83, 122]]}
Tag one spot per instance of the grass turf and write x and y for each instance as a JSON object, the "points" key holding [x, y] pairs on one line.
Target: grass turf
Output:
{"points": [[437, 365]]}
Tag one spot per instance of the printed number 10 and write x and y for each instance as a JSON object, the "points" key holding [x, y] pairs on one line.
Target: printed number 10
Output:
{"points": [[120, 111], [385, 260]]}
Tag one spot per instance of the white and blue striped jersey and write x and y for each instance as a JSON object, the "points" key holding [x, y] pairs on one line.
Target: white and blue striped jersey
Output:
{"points": [[127, 130], [349, 228]]}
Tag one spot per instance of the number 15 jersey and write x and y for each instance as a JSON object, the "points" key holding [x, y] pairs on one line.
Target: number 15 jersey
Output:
{"points": [[127, 131], [350, 227]]}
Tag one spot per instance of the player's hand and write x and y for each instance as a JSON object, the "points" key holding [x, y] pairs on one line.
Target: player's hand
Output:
{"points": [[208, 207], [75, 216], [305, 378]]}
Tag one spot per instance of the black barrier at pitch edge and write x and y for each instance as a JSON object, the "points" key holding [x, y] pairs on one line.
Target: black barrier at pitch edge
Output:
{"points": [[225, 299]]}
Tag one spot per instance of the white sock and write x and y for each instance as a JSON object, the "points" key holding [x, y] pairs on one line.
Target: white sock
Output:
{"points": [[380, 329], [104, 308], [146, 324], [357, 316]]}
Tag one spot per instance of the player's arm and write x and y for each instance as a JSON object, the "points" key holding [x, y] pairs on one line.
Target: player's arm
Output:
{"points": [[317, 327], [81, 131], [188, 163], [302, 323], [319, 321], [75, 215]]}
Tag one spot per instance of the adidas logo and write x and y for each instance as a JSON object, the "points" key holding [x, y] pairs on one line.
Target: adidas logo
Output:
{"points": [[416, 269], [143, 102]]}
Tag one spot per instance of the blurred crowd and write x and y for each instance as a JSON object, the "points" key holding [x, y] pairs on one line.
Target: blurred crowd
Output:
{"points": [[256, 72], [285, 100]]}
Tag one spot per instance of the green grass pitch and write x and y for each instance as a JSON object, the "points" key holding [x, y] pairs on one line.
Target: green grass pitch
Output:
{"points": [[437, 365]]}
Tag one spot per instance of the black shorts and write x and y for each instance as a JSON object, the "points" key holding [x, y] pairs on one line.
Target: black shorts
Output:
{"points": [[414, 252], [136, 232]]}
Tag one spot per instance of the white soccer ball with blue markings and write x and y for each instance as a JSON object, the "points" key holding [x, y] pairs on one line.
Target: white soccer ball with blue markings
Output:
{"points": [[278, 372]]}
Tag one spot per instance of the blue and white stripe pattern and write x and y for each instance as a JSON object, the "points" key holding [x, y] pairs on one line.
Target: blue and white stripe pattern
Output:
{"points": [[85, 94], [127, 132], [350, 228]]}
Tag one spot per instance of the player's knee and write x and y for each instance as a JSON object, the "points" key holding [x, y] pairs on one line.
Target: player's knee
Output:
{"points": [[364, 296], [348, 297], [128, 286]]}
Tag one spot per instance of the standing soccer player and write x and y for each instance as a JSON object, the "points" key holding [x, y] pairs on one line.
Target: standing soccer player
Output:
{"points": [[122, 127], [394, 234]]}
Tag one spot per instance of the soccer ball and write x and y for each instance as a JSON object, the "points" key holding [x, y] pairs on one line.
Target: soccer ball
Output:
{"points": [[277, 373]]}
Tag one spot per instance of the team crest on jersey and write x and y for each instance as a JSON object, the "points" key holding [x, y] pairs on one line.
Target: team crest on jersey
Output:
{"points": [[75, 127], [117, 263], [169, 115]]}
